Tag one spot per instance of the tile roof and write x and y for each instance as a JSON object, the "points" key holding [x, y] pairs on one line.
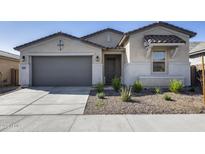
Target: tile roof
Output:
{"points": [[53, 35], [101, 31], [124, 35], [163, 39], [166, 25], [192, 45], [196, 48], [9, 55]]}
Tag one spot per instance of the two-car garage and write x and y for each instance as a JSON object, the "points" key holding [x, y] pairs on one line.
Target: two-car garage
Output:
{"points": [[60, 59], [61, 70]]}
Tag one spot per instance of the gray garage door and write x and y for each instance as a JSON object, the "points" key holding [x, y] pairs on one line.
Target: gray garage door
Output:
{"points": [[62, 71]]}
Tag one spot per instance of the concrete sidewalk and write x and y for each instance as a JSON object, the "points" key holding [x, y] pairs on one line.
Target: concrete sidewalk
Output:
{"points": [[103, 123]]}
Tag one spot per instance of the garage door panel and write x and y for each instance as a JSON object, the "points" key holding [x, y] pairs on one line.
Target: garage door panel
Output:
{"points": [[62, 71]]}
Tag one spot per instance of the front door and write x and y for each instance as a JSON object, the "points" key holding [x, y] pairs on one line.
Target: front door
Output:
{"points": [[112, 67]]}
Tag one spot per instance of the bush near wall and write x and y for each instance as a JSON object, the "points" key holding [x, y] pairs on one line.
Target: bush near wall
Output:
{"points": [[175, 86]]}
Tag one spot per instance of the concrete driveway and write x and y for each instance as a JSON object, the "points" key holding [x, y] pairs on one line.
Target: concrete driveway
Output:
{"points": [[59, 109], [45, 100]]}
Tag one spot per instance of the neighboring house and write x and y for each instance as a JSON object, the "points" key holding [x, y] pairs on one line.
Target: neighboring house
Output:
{"points": [[8, 61], [153, 54], [197, 49]]}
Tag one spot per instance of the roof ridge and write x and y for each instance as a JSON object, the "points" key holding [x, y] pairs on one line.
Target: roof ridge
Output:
{"points": [[165, 24], [9, 53], [183, 29], [102, 30], [55, 34]]}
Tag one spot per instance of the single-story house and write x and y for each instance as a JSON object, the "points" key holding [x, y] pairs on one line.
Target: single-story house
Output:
{"points": [[153, 54], [9, 62], [197, 50]]}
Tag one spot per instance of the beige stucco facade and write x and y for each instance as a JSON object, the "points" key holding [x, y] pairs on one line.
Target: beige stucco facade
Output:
{"points": [[136, 65], [6, 64], [49, 47], [139, 67], [107, 39]]}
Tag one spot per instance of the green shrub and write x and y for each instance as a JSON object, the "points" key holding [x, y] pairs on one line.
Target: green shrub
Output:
{"points": [[175, 86], [100, 87], [157, 90], [167, 97], [137, 86], [101, 95], [125, 94], [116, 83]]}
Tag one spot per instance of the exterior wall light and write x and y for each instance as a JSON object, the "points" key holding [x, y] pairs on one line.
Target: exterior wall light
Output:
{"points": [[23, 58], [97, 58]]}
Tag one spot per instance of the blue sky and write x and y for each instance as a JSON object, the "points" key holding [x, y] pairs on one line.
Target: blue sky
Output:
{"points": [[16, 33]]}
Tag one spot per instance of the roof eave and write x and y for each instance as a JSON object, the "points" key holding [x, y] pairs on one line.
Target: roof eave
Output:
{"points": [[18, 48], [166, 25], [101, 31], [10, 58], [195, 53], [123, 39]]}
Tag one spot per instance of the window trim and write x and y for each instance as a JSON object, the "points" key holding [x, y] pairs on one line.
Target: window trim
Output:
{"points": [[152, 62]]}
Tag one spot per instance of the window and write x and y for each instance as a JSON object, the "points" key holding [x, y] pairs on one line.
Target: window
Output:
{"points": [[159, 61]]}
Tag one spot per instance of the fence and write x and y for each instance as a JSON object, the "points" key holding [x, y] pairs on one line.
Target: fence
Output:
{"points": [[193, 75], [14, 77], [196, 76]]}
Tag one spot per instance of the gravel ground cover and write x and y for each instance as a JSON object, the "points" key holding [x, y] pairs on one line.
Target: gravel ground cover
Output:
{"points": [[146, 102]]}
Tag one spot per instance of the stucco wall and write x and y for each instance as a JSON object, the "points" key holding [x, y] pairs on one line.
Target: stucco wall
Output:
{"points": [[49, 47], [107, 39], [6, 64], [138, 64]]}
